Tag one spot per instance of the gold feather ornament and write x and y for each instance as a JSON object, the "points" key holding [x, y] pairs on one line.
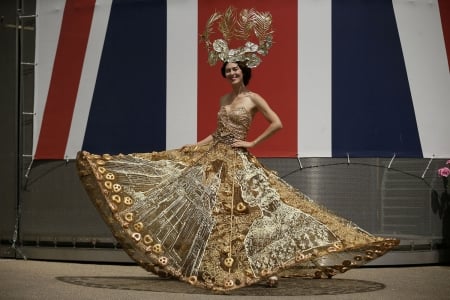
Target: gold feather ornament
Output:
{"points": [[238, 27]]}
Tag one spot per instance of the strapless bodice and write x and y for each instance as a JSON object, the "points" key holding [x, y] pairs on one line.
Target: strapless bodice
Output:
{"points": [[232, 124]]}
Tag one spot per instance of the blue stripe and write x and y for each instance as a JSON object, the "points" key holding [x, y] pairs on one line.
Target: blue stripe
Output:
{"points": [[128, 110], [372, 110]]}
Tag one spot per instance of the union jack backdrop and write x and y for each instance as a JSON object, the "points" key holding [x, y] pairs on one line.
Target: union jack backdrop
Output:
{"points": [[350, 77]]}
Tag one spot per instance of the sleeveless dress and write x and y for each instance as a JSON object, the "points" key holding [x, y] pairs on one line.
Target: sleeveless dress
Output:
{"points": [[215, 217]]}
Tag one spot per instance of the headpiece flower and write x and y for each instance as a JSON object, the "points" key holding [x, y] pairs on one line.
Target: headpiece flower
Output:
{"points": [[249, 22]]}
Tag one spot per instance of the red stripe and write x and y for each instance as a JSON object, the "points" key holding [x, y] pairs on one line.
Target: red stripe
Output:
{"points": [[57, 118], [275, 79], [444, 8]]}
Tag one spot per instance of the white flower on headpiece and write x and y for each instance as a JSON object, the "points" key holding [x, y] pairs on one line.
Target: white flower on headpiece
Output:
{"points": [[250, 47], [253, 61], [234, 52], [264, 49], [220, 46]]}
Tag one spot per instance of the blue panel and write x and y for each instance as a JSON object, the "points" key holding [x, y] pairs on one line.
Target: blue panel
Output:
{"points": [[372, 110], [128, 111]]}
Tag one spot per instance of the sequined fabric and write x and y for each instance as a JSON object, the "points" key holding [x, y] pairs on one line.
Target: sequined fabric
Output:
{"points": [[214, 217], [232, 125]]}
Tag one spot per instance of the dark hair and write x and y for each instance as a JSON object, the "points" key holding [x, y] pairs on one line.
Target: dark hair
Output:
{"points": [[246, 71]]}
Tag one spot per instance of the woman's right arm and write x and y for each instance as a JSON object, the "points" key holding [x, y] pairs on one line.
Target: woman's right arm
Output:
{"points": [[206, 140]]}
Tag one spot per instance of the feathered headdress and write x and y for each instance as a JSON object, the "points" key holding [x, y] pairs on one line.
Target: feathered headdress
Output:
{"points": [[249, 22]]}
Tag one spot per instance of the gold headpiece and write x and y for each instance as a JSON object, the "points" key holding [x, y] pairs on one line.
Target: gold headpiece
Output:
{"points": [[239, 27]]}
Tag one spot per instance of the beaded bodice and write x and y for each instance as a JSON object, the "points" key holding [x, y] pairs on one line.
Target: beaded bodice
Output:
{"points": [[232, 124]]}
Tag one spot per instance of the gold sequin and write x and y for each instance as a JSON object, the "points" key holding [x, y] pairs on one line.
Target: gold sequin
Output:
{"points": [[127, 200], [100, 162], [101, 170], [107, 156], [117, 187], [332, 249], [110, 176], [192, 279], [129, 216], [138, 226], [228, 262], [338, 245], [299, 257], [163, 261], [108, 185], [116, 198], [148, 239], [136, 236], [228, 283], [241, 207], [157, 248]]}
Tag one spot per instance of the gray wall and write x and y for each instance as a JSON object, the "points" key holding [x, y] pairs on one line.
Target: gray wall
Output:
{"points": [[8, 123], [54, 219]]}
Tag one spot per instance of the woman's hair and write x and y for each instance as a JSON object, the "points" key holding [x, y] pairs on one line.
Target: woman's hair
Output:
{"points": [[246, 71]]}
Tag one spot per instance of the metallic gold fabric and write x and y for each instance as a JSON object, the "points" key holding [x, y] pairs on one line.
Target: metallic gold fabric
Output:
{"points": [[234, 27], [214, 217]]}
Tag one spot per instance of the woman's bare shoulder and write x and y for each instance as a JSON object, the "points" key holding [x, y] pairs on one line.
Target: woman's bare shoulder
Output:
{"points": [[225, 99], [255, 97]]}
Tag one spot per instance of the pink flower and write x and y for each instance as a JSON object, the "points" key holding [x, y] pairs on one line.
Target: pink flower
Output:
{"points": [[444, 172], [448, 162]]}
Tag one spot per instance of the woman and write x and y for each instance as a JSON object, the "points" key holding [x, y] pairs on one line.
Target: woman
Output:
{"points": [[211, 215], [239, 75]]}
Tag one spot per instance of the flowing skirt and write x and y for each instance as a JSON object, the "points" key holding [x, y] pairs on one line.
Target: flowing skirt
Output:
{"points": [[215, 217]]}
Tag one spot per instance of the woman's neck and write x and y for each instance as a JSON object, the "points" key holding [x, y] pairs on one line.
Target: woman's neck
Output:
{"points": [[239, 89]]}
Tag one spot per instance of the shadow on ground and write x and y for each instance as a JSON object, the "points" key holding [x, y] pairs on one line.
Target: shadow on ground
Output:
{"points": [[286, 286]]}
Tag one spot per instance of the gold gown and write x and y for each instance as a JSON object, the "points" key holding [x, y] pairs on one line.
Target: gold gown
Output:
{"points": [[214, 217]]}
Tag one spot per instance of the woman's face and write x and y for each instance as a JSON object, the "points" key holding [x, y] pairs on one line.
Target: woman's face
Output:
{"points": [[233, 73]]}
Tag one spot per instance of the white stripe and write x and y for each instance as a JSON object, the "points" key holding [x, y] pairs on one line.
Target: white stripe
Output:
{"points": [[48, 25], [88, 77], [182, 41], [314, 78], [425, 57]]}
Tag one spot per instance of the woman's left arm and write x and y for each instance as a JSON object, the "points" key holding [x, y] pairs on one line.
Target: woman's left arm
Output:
{"points": [[274, 122]]}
